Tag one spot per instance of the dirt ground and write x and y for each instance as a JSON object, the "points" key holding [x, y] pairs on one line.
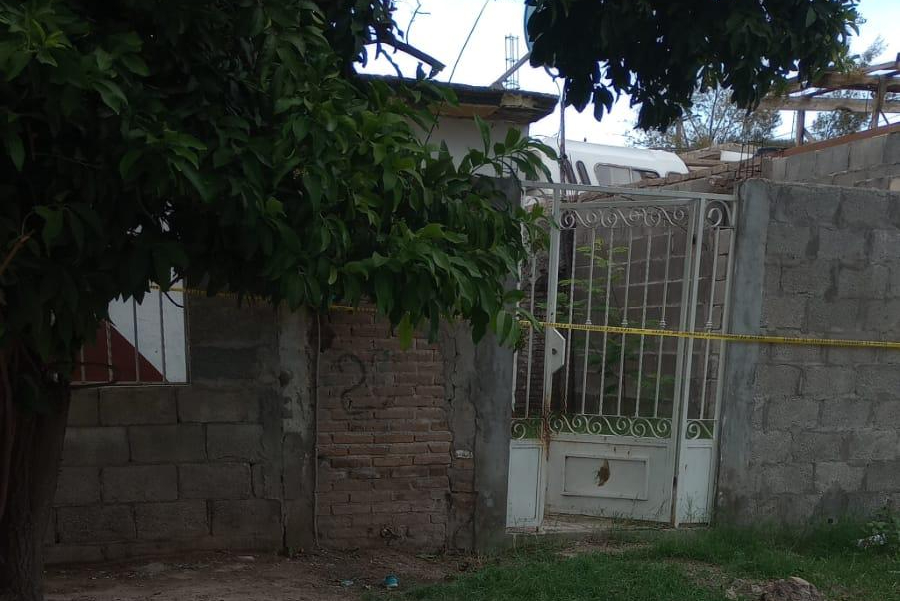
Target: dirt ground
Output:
{"points": [[226, 576]]}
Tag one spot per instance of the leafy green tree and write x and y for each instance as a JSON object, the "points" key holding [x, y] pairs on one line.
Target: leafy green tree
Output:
{"points": [[224, 142], [658, 51], [230, 142], [831, 124], [711, 119]]}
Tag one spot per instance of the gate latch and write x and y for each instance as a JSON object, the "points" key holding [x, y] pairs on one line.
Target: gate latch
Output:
{"points": [[556, 346]]}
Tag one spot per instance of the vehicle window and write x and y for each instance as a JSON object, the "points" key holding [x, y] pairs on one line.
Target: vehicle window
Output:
{"points": [[646, 174], [583, 173], [613, 175]]}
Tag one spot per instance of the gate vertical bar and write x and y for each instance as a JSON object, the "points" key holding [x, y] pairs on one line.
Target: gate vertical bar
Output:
{"points": [[680, 415], [552, 285]]}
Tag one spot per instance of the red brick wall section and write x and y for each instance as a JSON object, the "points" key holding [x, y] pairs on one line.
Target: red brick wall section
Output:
{"points": [[384, 443]]}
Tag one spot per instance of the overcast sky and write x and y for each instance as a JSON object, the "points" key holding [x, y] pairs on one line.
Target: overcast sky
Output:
{"points": [[441, 27]]}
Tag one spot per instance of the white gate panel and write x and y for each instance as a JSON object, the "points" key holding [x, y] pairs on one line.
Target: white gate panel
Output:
{"points": [[616, 477], [525, 496], [694, 482]]}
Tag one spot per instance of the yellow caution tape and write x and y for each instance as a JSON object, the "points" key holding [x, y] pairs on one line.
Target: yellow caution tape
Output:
{"points": [[750, 338], [753, 338]]}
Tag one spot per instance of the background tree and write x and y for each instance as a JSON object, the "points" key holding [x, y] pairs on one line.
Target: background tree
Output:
{"points": [[658, 51], [831, 124], [229, 142], [711, 119]]}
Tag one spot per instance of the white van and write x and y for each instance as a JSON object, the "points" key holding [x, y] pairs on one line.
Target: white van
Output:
{"points": [[602, 165]]}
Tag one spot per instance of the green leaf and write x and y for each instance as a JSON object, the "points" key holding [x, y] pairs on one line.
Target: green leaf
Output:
{"points": [[405, 331], [127, 163], [485, 131], [111, 93], [53, 224], [197, 180], [15, 150], [313, 186], [136, 64]]}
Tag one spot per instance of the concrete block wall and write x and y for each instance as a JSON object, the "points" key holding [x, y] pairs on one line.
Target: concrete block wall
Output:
{"points": [[865, 162], [813, 432], [224, 462], [408, 445]]}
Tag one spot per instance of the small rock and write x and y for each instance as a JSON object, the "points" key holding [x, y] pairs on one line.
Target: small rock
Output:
{"points": [[151, 569], [791, 589]]}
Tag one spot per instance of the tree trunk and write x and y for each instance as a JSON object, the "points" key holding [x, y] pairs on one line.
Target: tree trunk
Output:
{"points": [[34, 468]]}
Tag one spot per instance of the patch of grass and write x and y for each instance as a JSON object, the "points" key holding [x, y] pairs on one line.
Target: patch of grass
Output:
{"points": [[594, 576], [695, 565], [825, 556]]}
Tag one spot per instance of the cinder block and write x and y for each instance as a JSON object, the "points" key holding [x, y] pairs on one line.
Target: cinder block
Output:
{"points": [[884, 245], [869, 282], [845, 414], [838, 315], [768, 447], [208, 404], [821, 382], [883, 318], [235, 442], [887, 414], [878, 381], [865, 209], [95, 446], [800, 167], [167, 521], [167, 444], [222, 322], [891, 149], [139, 483], [214, 481], [98, 523], [872, 444], [866, 153], [787, 478], [810, 278], [137, 405], [787, 241], [778, 379], [834, 159], [819, 446], [804, 205], [77, 486], [774, 169], [83, 408], [212, 363], [253, 518], [839, 474], [843, 244], [883, 476]]}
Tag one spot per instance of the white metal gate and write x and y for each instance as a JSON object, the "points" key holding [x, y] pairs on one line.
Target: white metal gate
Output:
{"points": [[619, 424]]}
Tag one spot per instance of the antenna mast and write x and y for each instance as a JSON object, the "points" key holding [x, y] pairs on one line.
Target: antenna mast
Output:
{"points": [[512, 61]]}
